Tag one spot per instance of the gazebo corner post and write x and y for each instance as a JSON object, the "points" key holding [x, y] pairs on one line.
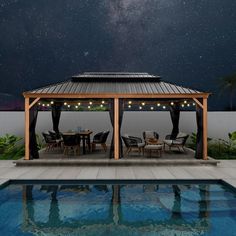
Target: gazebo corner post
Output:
{"points": [[116, 129], [27, 125], [205, 128]]}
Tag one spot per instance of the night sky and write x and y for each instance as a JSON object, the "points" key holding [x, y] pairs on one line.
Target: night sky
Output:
{"points": [[190, 43]]}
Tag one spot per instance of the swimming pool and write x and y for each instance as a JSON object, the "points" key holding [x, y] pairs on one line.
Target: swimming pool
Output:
{"points": [[117, 208]]}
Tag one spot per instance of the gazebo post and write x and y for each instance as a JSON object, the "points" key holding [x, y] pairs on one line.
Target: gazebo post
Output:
{"points": [[27, 107], [203, 106], [205, 127], [116, 128]]}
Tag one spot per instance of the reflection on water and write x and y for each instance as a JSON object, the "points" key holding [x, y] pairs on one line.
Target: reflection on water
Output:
{"points": [[132, 209]]}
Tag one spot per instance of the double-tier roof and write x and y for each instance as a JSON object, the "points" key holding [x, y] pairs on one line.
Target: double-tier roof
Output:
{"points": [[114, 84]]}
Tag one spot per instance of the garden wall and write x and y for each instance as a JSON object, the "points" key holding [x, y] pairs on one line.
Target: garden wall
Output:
{"points": [[219, 123]]}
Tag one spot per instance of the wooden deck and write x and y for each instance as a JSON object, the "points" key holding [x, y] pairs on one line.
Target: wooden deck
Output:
{"points": [[99, 157]]}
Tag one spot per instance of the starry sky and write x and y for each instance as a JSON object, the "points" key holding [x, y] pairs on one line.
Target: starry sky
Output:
{"points": [[187, 42]]}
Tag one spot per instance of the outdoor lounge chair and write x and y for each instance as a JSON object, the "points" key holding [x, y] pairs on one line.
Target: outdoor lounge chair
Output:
{"points": [[150, 137], [55, 135], [133, 143], [100, 138], [50, 141], [178, 142], [71, 143]]}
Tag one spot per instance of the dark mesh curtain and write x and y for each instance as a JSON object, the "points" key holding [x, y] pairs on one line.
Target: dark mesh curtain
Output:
{"points": [[56, 114], [111, 112], [33, 113], [174, 113], [199, 142], [121, 113]]}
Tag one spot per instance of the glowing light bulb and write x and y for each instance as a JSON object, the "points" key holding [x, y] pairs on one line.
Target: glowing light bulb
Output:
{"points": [[185, 101], [79, 103], [76, 107], [140, 108], [129, 106], [90, 103], [171, 103], [158, 104], [43, 105], [89, 107], [182, 105], [143, 103], [188, 105], [152, 108], [103, 102], [39, 103], [65, 103], [194, 104], [52, 102], [101, 105], [48, 105], [130, 102], [164, 107], [68, 106]]}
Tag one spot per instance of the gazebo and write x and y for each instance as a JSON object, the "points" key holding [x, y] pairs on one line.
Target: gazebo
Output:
{"points": [[116, 88]]}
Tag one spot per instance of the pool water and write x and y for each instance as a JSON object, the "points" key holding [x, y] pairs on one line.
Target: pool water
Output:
{"points": [[118, 209]]}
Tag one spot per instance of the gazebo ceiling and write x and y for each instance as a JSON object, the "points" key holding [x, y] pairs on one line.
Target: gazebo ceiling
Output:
{"points": [[109, 84]]}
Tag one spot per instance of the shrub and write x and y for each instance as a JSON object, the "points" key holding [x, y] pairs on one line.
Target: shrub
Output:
{"points": [[218, 148], [11, 147]]}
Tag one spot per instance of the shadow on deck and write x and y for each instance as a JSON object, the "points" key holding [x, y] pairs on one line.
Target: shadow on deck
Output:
{"points": [[101, 158]]}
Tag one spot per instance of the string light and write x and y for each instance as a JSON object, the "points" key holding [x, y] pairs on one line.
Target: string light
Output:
{"points": [[188, 105], [101, 105], [129, 106], [68, 106], [143, 103], [48, 105], [43, 105], [164, 107], [103, 102], [89, 107], [158, 104], [194, 104], [171, 103], [52, 102], [130, 102], [65, 103], [185, 101], [39, 103], [79, 103], [152, 108], [140, 108], [90, 103], [182, 105], [76, 107]]}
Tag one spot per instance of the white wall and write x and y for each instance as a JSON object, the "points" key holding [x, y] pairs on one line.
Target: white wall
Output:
{"points": [[134, 123]]}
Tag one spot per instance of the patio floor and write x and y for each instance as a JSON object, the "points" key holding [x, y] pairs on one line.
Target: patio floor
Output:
{"points": [[225, 170], [99, 157]]}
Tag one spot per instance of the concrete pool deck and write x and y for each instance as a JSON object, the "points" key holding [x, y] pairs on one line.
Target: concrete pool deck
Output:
{"points": [[225, 170]]}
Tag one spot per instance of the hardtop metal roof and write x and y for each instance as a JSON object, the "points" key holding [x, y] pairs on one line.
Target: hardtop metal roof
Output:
{"points": [[113, 83]]}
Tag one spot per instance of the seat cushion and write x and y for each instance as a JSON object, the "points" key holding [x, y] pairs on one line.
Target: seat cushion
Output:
{"points": [[153, 147], [177, 142], [168, 141], [141, 144], [181, 135]]}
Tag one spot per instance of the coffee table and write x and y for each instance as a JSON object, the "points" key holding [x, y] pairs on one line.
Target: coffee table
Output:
{"points": [[154, 148]]}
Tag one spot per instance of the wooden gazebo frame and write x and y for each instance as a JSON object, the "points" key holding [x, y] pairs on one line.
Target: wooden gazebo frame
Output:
{"points": [[32, 97]]}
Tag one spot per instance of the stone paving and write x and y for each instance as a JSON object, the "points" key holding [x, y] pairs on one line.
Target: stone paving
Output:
{"points": [[226, 171]]}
